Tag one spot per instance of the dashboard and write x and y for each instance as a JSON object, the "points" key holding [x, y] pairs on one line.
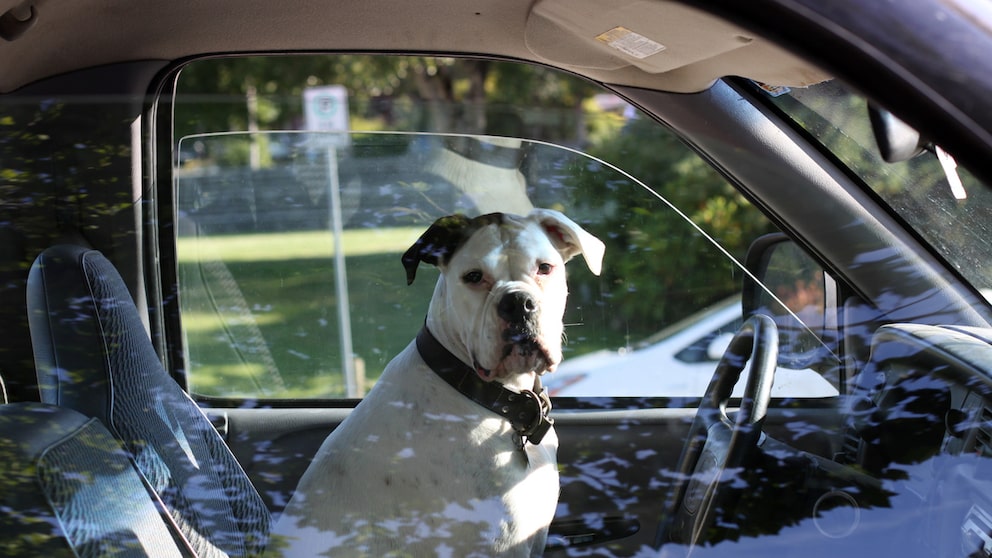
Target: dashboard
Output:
{"points": [[921, 423]]}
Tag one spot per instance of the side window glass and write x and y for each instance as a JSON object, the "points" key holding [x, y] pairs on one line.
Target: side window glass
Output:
{"points": [[300, 181]]}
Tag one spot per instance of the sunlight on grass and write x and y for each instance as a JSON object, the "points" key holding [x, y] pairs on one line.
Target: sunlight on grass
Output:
{"points": [[235, 380], [211, 378], [276, 246], [205, 322]]}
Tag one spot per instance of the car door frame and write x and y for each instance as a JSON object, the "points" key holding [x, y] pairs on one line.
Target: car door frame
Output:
{"points": [[616, 456]]}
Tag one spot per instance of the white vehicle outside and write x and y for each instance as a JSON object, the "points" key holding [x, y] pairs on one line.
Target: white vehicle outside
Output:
{"points": [[676, 362]]}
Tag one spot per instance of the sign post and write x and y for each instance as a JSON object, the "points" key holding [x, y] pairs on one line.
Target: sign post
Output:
{"points": [[326, 112]]}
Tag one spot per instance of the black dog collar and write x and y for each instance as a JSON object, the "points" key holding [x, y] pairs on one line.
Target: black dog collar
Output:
{"points": [[527, 410]]}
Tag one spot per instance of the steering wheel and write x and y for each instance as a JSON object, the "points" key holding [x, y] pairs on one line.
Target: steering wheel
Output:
{"points": [[716, 446]]}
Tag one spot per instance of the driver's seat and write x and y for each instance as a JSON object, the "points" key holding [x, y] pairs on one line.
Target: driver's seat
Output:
{"points": [[94, 355]]}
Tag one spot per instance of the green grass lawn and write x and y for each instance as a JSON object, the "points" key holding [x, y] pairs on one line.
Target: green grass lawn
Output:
{"points": [[265, 320], [296, 245]]}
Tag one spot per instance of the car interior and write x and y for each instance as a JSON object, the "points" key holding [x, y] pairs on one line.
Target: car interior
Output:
{"points": [[200, 283]]}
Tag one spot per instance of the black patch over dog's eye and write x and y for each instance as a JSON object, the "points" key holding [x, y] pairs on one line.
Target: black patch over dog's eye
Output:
{"points": [[544, 268], [472, 277]]}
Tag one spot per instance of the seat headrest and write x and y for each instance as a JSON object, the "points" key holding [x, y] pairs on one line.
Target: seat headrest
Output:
{"points": [[69, 287]]}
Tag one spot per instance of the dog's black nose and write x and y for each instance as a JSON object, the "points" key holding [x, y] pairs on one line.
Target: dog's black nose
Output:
{"points": [[517, 307]]}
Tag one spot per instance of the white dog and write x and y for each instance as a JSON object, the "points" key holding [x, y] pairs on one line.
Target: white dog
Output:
{"points": [[452, 453]]}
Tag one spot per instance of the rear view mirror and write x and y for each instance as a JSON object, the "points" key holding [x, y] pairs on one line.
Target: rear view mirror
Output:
{"points": [[792, 288]]}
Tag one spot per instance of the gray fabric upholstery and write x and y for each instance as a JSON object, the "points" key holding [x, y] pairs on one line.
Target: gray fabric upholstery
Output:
{"points": [[69, 489], [94, 355]]}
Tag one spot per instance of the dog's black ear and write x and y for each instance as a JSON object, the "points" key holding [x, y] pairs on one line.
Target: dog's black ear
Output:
{"points": [[437, 244]]}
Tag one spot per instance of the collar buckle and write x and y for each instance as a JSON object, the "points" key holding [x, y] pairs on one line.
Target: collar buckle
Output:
{"points": [[535, 431]]}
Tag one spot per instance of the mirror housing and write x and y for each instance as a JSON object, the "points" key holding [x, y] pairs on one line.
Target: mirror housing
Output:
{"points": [[718, 346], [896, 140], [788, 285]]}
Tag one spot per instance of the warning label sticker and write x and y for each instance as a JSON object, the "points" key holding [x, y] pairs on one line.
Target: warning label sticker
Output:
{"points": [[630, 43]]}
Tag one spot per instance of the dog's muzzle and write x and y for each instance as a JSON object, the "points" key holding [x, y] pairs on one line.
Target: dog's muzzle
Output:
{"points": [[517, 307], [519, 310]]}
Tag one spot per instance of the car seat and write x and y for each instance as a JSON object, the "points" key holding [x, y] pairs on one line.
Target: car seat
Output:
{"points": [[94, 355], [69, 489]]}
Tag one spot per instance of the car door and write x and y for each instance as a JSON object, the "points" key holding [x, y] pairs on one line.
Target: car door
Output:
{"points": [[293, 204]]}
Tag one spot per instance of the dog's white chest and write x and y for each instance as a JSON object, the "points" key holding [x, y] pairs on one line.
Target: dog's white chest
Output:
{"points": [[419, 467]]}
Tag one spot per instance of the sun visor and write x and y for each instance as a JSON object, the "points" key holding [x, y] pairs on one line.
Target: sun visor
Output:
{"points": [[686, 48], [656, 37]]}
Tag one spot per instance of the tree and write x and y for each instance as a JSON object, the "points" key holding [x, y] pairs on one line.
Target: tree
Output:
{"points": [[653, 253], [387, 92]]}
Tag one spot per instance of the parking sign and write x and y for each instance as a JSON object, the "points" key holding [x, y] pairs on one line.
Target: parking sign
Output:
{"points": [[326, 110]]}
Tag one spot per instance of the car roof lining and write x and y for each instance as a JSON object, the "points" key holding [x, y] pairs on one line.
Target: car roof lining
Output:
{"points": [[698, 48]]}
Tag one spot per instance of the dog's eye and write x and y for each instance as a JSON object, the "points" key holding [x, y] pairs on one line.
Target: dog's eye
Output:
{"points": [[472, 277], [544, 268]]}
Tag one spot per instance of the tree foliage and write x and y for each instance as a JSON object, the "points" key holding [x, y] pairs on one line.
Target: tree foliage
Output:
{"points": [[654, 254], [397, 92], [663, 260]]}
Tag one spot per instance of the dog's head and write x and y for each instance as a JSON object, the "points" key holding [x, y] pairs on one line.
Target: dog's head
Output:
{"points": [[499, 302]]}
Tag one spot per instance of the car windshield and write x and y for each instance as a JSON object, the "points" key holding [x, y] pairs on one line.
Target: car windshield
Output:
{"points": [[942, 202]]}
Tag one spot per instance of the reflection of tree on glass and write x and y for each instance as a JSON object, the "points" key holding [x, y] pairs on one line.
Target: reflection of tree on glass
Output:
{"points": [[794, 295], [804, 297]]}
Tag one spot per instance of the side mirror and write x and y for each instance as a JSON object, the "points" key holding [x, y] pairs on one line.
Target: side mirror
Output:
{"points": [[718, 346], [788, 285]]}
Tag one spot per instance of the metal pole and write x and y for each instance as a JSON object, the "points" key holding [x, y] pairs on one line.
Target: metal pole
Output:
{"points": [[341, 276]]}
